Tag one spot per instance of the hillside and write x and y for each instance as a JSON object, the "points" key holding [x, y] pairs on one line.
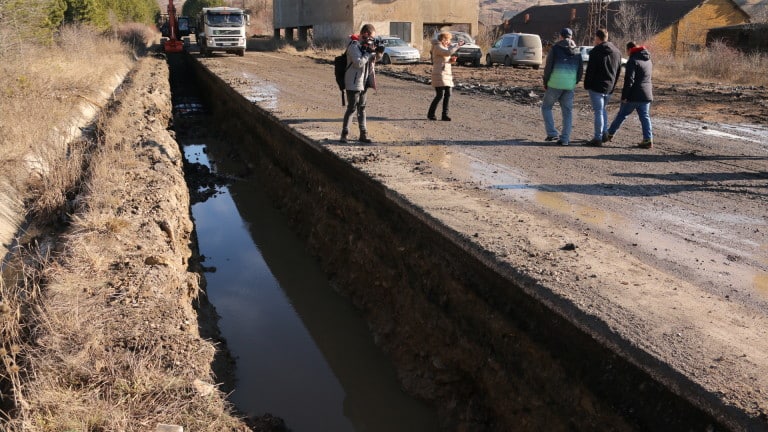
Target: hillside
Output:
{"points": [[491, 11]]}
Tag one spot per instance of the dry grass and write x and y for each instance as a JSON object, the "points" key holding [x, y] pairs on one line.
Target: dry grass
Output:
{"points": [[60, 370], [97, 331], [41, 89], [41, 93], [718, 63]]}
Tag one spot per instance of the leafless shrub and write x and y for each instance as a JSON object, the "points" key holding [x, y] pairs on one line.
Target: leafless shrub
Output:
{"points": [[717, 62], [20, 24], [486, 37]]}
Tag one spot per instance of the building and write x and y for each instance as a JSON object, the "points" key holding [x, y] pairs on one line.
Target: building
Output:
{"points": [[745, 37], [332, 21], [672, 26]]}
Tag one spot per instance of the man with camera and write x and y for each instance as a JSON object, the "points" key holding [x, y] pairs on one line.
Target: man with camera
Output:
{"points": [[362, 53]]}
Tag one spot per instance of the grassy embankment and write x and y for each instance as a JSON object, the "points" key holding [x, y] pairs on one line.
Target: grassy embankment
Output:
{"points": [[43, 386]]}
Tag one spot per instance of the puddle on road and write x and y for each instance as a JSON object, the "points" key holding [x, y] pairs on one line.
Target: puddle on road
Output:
{"points": [[741, 132], [262, 92], [302, 351]]}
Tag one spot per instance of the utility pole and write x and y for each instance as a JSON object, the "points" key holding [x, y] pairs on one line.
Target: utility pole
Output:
{"points": [[598, 18]]}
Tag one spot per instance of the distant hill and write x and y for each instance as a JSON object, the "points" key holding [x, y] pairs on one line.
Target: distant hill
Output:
{"points": [[491, 11]]}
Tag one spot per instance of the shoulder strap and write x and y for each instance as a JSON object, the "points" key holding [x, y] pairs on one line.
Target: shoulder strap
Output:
{"points": [[345, 54]]}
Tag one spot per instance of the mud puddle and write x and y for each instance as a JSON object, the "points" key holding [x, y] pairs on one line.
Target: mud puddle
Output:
{"points": [[302, 352]]}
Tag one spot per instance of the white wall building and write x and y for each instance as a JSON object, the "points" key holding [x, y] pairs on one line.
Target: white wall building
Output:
{"points": [[332, 21]]}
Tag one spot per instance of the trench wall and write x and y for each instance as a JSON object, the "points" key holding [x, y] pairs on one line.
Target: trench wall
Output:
{"points": [[464, 332]]}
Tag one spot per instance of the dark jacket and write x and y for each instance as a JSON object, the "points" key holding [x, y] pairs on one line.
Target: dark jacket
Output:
{"points": [[637, 76], [563, 69], [603, 68]]}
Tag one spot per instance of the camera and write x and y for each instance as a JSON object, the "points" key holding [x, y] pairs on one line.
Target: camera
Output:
{"points": [[371, 45]]}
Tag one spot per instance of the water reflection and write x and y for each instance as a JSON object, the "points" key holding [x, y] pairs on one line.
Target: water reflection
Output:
{"points": [[302, 351]]}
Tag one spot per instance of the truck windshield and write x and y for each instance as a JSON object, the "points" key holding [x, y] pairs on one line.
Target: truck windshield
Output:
{"points": [[224, 20]]}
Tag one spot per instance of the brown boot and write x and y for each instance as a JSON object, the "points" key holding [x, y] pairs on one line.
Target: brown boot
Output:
{"points": [[364, 137]]}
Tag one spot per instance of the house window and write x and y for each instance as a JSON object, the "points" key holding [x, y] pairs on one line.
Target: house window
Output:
{"points": [[401, 30]]}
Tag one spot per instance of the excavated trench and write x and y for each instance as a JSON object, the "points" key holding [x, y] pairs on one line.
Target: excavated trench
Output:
{"points": [[460, 330]]}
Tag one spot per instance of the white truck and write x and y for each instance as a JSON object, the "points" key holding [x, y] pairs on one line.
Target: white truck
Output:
{"points": [[222, 29]]}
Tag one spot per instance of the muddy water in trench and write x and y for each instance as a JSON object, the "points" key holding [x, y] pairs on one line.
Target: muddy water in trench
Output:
{"points": [[302, 351]]}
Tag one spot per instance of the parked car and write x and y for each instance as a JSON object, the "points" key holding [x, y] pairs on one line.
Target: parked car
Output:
{"points": [[469, 53], [585, 55], [516, 49], [397, 50]]}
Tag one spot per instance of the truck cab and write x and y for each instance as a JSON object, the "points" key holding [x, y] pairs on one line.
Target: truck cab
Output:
{"points": [[222, 29]]}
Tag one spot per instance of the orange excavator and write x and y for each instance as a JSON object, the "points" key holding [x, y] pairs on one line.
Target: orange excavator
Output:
{"points": [[173, 44]]}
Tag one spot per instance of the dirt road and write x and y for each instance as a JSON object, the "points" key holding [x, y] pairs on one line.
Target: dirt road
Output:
{"points": [[668, 247]]}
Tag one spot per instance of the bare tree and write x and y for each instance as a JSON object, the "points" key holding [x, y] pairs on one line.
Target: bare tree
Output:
{"points": [[633, 22], [22, 23], [260, 12]]}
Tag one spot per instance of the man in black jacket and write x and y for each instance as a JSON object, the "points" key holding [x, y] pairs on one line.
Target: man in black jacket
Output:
{"points": [[603, 70], [637, 93]]}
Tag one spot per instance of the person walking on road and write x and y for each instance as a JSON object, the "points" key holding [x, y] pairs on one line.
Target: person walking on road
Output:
{"points": [[362, 54], [442, 76], [600, 79], [637, 93], [561, 74]]}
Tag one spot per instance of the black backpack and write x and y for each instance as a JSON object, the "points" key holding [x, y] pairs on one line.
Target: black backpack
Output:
{"points": [[340, 67]]}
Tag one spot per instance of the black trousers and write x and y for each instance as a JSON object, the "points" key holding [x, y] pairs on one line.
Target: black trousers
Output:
{"points": [[443, 93]]}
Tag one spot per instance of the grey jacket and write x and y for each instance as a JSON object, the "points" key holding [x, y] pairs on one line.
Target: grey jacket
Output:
{"points": [[359, 66]]}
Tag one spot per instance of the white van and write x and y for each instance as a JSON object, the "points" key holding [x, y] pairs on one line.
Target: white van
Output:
{"points": [[516, 49]]}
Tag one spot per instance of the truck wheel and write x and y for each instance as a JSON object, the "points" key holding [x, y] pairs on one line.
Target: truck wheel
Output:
{"points": [[241, 52], [488, 61], [507, 61], [476, 62]]}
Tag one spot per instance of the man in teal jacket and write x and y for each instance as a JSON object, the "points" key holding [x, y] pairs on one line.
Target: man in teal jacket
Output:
{"points": [[561, 74]]}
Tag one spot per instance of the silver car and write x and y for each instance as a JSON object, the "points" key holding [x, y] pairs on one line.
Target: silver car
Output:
{"points": [[516, 49], [397, 50]]}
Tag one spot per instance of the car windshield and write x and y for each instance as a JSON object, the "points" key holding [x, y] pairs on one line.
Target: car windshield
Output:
{"points": [[224, 20], [393, 42]]}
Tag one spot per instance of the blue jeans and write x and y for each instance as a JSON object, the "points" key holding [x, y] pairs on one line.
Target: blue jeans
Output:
{"points": [[599, 104], [565, 97], [643, 113]]}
